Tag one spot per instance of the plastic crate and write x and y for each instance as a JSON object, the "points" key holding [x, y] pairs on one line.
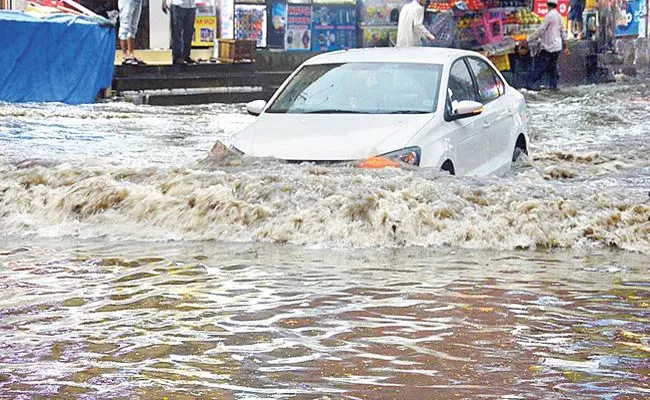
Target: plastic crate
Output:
{"points": [[236, 50], [487, 29], [502, 62]]}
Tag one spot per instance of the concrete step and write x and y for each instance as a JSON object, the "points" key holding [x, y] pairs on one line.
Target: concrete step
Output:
{"points": [[162, 56], [175, 97], [610, 59], [195, 78]]}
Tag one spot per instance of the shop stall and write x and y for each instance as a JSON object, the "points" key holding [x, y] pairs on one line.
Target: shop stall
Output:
{"points": [[492, 27], [378, 22]]}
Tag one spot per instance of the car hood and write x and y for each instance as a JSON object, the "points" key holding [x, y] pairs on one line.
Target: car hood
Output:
{"points": [[328, 137]]}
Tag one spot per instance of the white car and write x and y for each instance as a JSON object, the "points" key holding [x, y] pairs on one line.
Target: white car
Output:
{"points": [[426, 107]]}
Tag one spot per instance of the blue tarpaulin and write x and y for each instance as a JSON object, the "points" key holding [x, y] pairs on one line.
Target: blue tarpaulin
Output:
{"points": [[60, 58]]}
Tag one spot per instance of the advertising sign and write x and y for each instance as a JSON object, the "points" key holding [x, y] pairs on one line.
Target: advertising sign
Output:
{"points": [[380, 12], [250, 23], [298, 36], [227, 19], [632, 13], [334, 28], [205, 28], [541, 9], [278, 25]]}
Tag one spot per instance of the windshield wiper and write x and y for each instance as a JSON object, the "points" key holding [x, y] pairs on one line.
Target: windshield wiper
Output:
{"points": [[334, 111], [409, 112]]}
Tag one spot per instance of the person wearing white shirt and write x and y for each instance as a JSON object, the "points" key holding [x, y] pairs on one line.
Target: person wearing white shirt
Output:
{"points": [[410, 27], [551, 36], [182, 13]]}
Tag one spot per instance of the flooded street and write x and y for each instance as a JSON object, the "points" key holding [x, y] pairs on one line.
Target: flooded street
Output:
{"points": [[132, 265]]}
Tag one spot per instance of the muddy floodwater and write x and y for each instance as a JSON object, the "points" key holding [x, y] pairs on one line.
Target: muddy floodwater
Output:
{"points": [[135, 266]]}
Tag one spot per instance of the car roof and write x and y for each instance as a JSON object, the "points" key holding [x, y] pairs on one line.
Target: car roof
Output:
{"points": [[424, 55]]}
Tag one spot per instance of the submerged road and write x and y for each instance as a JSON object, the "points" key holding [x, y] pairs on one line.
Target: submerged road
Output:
{"points": [[134, 266]]}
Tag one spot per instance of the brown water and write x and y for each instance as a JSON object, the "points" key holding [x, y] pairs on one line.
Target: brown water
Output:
{"points": [[133, 267]]}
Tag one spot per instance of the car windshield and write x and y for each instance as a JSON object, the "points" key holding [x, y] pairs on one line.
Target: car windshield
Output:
{"points": [[361, 88]]}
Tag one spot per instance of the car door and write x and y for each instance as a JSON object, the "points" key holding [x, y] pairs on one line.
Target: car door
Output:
{"points": [[467, 134], [497, 117]]}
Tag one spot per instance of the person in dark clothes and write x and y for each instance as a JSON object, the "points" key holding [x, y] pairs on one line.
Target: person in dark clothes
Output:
{"points": [[551, 36], [576, 9], [444, 26], [182, 13]]}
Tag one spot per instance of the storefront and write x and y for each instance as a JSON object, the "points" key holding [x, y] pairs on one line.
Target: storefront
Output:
{"points": [[493, 27], [325, 25], [205, 23]]}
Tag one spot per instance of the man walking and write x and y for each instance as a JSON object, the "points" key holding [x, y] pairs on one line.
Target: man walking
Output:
{"points": [[182, 13], [552, 37], [410, 27]]}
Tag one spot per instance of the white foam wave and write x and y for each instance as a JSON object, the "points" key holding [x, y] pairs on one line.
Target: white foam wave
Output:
{"points": [[322, 207]]}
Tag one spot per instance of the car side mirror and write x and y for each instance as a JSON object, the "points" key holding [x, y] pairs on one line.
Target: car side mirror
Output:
{"points": [[255, 107], [465, 109]]}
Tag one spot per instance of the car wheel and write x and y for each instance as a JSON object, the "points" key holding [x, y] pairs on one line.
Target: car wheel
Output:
{"points": [[520, 147], [448, 166]]}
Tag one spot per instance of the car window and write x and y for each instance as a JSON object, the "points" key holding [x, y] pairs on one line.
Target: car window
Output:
{"points": [[490, 86], [461, 85], [361, 88]]}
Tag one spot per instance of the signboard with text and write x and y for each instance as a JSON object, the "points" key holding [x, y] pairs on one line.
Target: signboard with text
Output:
{"points": [[298, 37], [632, 13], [334, 28], [541, 9], [205, 28]]}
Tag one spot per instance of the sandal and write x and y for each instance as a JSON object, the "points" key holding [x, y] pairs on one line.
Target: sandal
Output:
{"points": [[129, 61]]}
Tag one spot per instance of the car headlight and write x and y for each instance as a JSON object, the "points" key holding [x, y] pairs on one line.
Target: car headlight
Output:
{"points": [[221, 150], [408, 155]]}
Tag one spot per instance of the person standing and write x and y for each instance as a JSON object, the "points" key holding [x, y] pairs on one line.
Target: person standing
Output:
{"points": [[576, 8], [182, 14], [410, 27], [129, 15], [444, 27], [552, 37]]}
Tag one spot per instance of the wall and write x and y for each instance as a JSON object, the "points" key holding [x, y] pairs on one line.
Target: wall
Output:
{"points": [[18, 4], [159, 31]]}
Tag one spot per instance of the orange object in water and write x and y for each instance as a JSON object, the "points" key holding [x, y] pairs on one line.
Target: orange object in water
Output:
{"points": [[378, 162]]}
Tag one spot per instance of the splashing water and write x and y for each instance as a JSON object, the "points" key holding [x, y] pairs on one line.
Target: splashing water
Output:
{"points": [[133, 265]]}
